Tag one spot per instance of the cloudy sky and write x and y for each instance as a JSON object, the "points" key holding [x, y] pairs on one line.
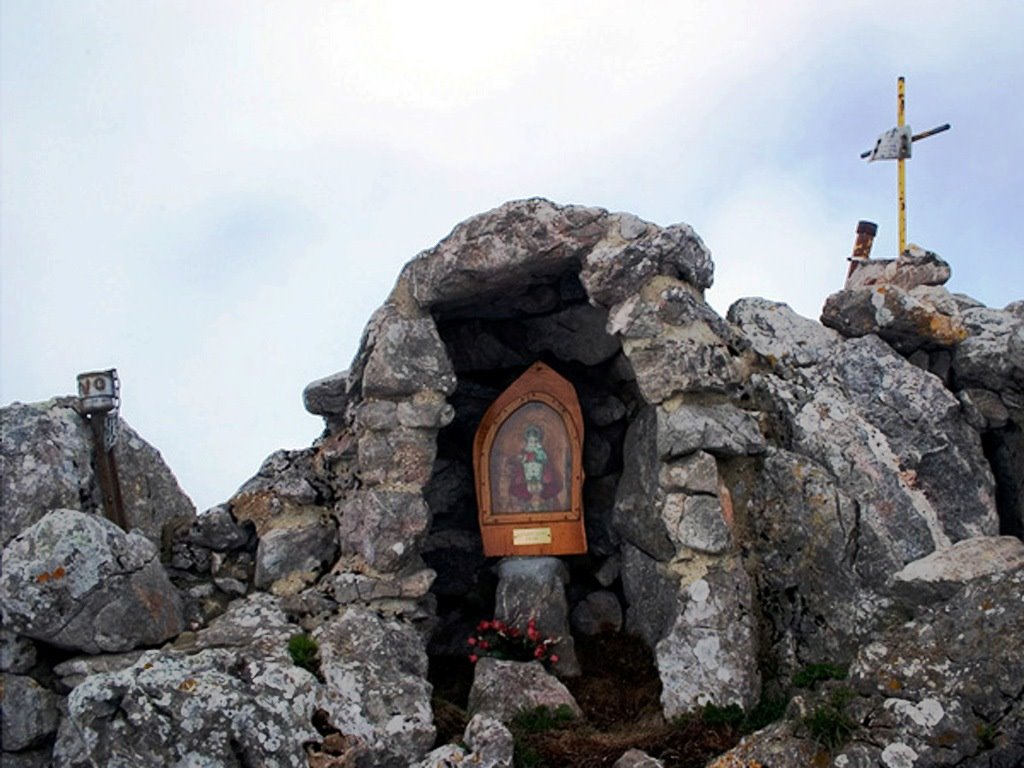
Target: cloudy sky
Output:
{"points": [[214, 196]]}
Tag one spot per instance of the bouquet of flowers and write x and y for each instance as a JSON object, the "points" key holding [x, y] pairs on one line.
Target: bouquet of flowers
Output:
{"points": [[498, 639]]}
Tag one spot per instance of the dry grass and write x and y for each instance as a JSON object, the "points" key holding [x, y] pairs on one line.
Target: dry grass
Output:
{"points": [[619, 693]]}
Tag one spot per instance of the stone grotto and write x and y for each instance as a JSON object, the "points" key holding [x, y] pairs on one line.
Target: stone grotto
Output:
{"points": [[762, 493]]}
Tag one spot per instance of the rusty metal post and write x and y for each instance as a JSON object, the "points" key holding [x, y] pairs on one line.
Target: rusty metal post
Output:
{"points": [[98, 399], [866, 231], [106, 468]]}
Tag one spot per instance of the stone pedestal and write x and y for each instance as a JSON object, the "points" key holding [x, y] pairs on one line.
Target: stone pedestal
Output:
{"points": [[534, 587]]}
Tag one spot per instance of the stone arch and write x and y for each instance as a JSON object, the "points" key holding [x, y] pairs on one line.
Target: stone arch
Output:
{"points": [[615, 305]]}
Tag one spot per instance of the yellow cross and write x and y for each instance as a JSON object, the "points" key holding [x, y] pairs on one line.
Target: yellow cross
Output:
{"points": [[895, 145]]}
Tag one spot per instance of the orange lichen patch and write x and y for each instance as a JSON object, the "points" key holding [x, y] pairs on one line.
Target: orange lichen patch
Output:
{"points": [[726, 499], [893, 684], [909, 476], [987, 604], [188, 685], [56, 573]]}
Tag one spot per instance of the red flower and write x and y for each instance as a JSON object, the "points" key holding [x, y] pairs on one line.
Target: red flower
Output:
{"points": [[498, 624], [553, 658], [473, 658], [539, 653], [484, 645], [533, 634], [483, 626], [472, 641], [514, 632]]}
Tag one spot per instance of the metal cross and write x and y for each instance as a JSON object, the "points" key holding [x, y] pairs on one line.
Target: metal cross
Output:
{"points": [[894, 144]]}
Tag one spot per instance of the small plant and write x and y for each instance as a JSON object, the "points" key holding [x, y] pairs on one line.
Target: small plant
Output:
{"points": [[815, 673], [729, 715], [305, 652], [830, 724], [501, 641], [769, 709], [531, 722], [542, 719], [987, 735]]}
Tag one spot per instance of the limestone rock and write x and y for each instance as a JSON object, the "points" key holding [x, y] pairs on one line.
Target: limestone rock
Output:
{"points": [[942, 573], [637, 758], [406, 356], [696, 473], [213, 708], [375, 687], [306, 548], [77, 581], [29, 713], [489, 253], [722, 430], [327, 397], [696, 523], [17, 653], [575, 333], [490, 741], [650, 590], [806, 543], [347, 587], [992, 355], [907, 319], [780, 336], [598, 612], [46, 463], [914, 267], [618, 268], [488, 744], [934, 691], [383, 527], [286, 488], [675, 342], [534, 588], [76, 670], [400, 457], [895, 441], [638, 497], [503, 689], [709, 654]]}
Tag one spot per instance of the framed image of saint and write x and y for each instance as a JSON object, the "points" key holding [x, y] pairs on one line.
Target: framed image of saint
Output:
{"points": [[528, 463]]}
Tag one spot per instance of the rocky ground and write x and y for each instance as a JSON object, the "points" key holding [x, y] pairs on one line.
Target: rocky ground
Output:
{"points": [[818, 520]]}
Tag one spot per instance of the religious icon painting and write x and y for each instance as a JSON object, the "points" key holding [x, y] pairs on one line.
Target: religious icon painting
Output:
{"points": [[527, 457]]}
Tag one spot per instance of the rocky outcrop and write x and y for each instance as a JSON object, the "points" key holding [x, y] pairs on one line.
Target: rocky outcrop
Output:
{"points": [[761, 493], [46, 463], [977, 351], [77, 581], [226, 696], [915, 694]]}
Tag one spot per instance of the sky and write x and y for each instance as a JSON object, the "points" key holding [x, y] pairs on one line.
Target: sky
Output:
{"points": [[213, 197]]}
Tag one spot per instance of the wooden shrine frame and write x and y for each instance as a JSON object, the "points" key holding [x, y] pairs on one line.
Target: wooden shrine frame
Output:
{"points": [[528, 465]]}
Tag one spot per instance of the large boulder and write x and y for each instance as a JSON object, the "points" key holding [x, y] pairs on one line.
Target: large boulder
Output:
{"points": [[30, 713], [46, 463], [876, 467], [228, 696], [503, 689], [77, 581], [934, 691], [375, 689]]}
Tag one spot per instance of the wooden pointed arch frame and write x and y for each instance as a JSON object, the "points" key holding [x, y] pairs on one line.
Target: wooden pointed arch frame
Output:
{"points": [[528, 465]]}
